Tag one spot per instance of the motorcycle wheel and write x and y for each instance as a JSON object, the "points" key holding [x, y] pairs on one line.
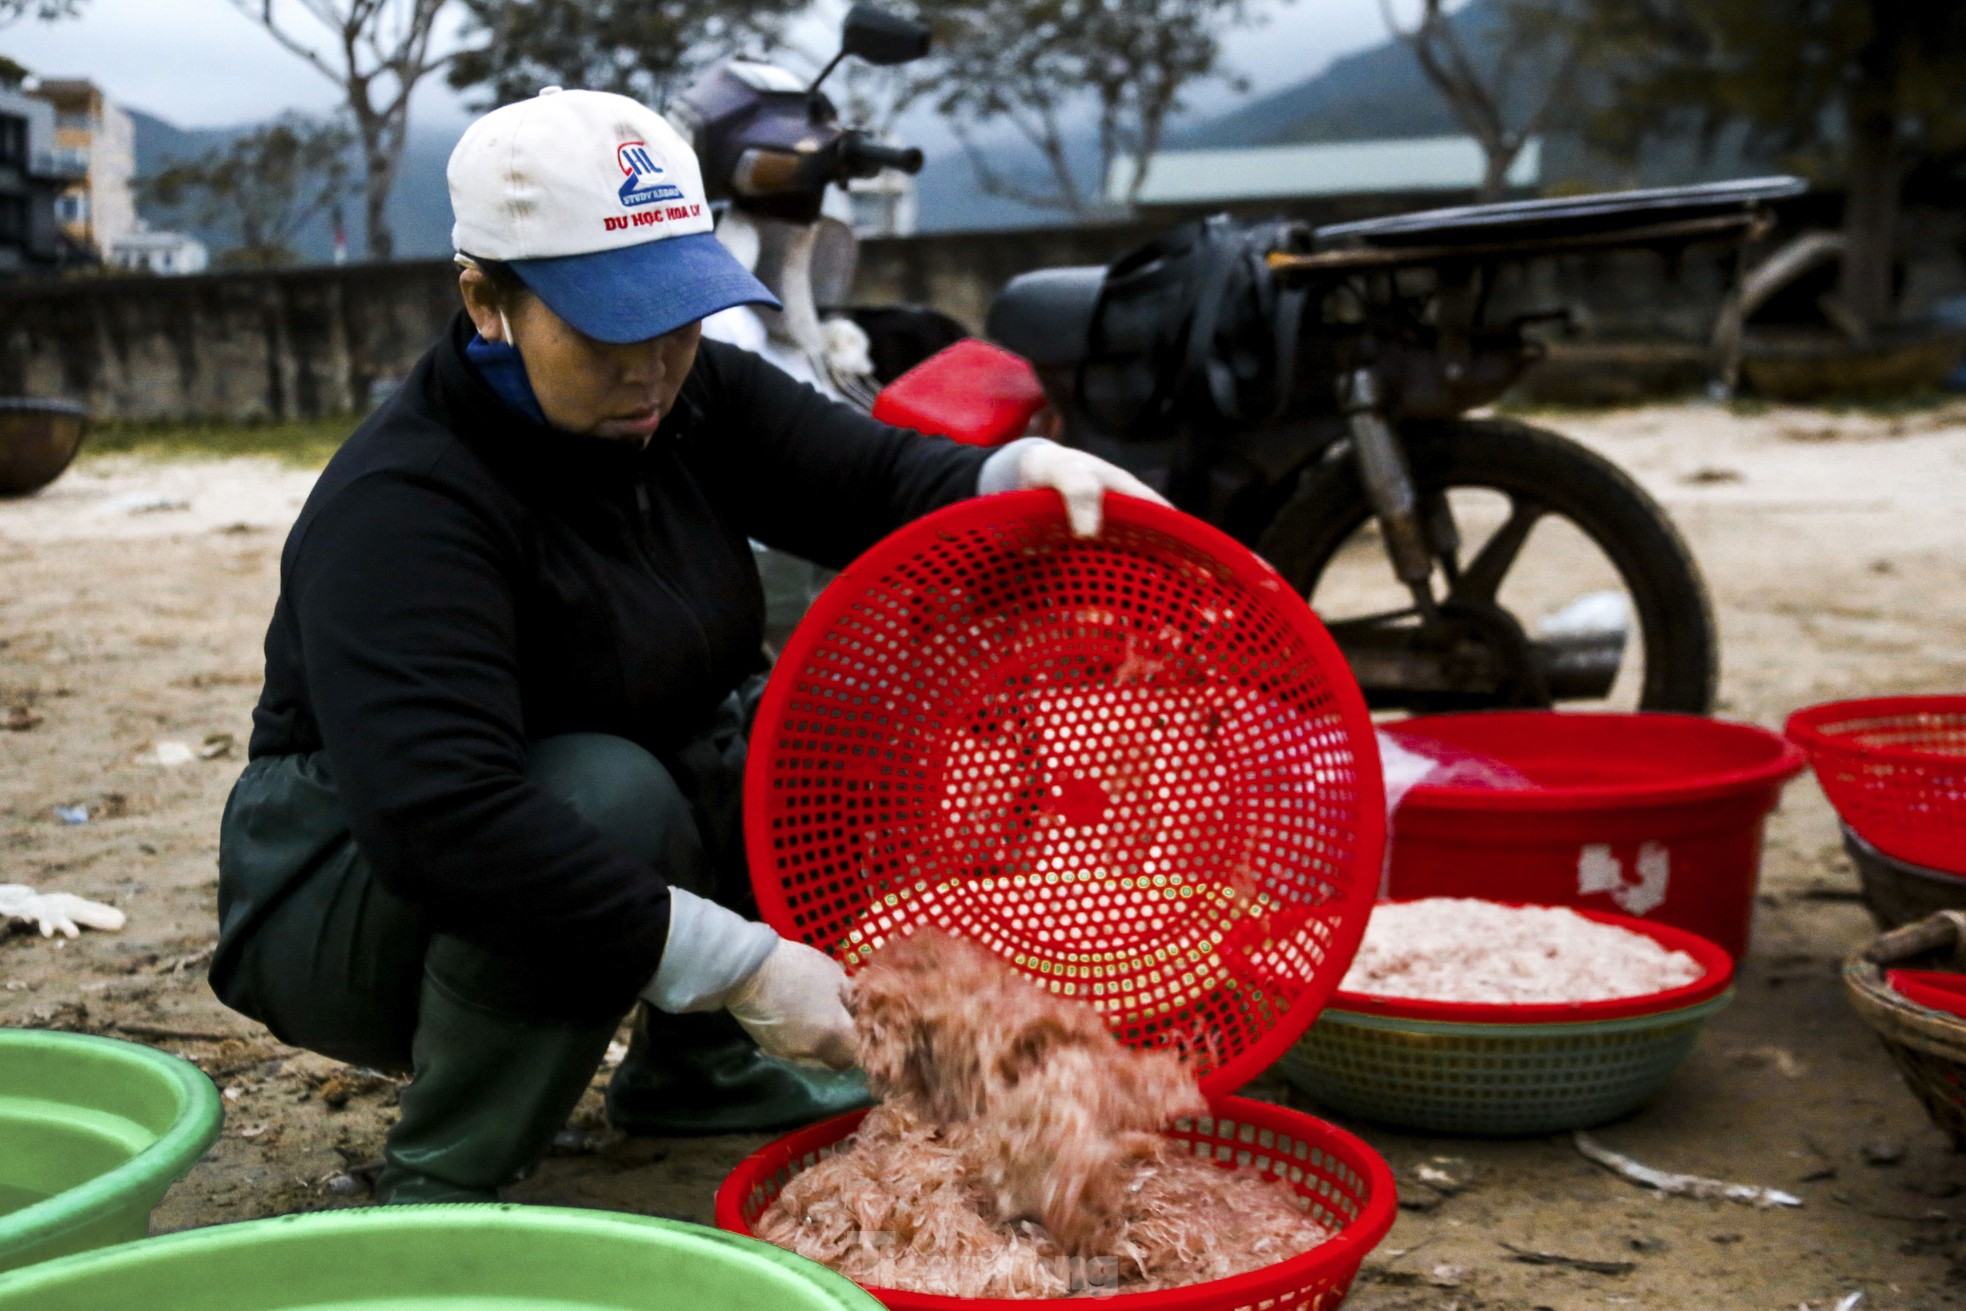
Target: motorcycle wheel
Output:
{"points": [[1537, 476]]}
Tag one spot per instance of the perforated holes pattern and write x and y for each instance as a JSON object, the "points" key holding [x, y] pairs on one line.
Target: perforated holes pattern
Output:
{"points": [[1136, 767]]}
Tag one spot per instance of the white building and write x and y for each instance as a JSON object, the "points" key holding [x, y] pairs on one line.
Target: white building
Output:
{"points": [[99, 209], [1416, 166], [144, 251]]}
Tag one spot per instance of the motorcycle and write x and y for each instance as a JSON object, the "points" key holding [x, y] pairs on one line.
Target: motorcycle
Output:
{"points": [[1306, 389]]}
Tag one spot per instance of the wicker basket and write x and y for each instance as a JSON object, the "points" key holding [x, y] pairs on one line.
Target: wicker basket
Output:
{"points": [[1928, 1046]]}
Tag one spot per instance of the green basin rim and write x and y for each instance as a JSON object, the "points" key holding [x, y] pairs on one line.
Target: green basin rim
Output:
{"points": [[143, 1264], [150, 1172], [1466, 1029]]}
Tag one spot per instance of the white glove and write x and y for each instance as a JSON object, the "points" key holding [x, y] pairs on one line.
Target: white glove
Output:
{"points": [[792, 1007], [785, 994], [56, 912], [1082, 479]]}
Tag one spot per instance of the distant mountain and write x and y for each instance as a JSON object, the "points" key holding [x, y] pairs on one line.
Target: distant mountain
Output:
{"points": [[1382, 93], [1377, 93], [419, 206]]}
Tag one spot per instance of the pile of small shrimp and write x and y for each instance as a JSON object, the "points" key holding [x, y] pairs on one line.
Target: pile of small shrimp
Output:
{"points": [[1017, 1149]]}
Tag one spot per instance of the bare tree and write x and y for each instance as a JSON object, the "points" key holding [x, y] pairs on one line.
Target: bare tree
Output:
{"points": [[12, 11], [1036, 64], [632, 47], [1493, 104], [379, 51], [260, 189]]}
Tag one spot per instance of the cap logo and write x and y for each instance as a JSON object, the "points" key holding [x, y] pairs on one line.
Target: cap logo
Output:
{"points": [[644, 185]]}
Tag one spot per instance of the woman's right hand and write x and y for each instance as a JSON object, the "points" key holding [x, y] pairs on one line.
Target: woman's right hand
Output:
{"points": [[792, 1007], [784, 993]]}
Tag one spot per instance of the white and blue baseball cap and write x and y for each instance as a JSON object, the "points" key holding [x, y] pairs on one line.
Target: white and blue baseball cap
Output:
{"points": [[597, 203]]}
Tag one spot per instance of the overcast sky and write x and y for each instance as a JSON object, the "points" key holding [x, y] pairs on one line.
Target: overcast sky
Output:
{"points": [[201, 63]]}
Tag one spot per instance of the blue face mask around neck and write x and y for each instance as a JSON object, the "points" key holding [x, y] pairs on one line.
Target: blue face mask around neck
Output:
{"points": [[500, 365]]}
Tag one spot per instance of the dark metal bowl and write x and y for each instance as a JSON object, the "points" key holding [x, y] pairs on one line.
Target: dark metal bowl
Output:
{"points": [[1896, 892], [38, 439]]}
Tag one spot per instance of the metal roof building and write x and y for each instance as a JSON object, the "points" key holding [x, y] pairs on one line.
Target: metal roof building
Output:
{"points": [[1418, 166]]}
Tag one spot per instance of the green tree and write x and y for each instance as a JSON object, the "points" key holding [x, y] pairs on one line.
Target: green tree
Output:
{"points": [[376, 51], [260, 189], [1039, 64], [1856, 91], [635, 47]]}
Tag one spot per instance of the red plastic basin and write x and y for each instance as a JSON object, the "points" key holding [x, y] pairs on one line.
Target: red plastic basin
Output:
{"points": [[1345, 1185], [1656, 816], [979, 394]]}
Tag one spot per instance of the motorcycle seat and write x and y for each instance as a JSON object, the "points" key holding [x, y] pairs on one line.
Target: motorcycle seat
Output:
{"points": [[1046, 316]]}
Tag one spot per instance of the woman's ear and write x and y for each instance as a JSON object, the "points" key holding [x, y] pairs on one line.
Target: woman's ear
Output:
{"points": [[481, 303]]}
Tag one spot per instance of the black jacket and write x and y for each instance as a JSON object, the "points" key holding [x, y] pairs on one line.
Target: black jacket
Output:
{"points": [[462, 582]]}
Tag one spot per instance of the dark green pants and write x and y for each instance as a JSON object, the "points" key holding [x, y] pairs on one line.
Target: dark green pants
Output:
{"points": [[315, 947]]}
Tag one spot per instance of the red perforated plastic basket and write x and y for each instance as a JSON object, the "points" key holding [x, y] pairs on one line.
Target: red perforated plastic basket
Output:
{"points": [[1135, 766], [1895, 769], [1347, 1185]]}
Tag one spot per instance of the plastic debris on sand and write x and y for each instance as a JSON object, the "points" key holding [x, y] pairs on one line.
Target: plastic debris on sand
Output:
{"points": [[1467, 950], [1016, 1152]]}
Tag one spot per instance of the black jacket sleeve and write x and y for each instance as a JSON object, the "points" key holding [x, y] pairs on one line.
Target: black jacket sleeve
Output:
{"points": [[814, 476], [408, 633]]}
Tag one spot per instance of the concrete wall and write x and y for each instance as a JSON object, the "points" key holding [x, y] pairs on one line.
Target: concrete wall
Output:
{"points": [[248, 345], [223, 346]]}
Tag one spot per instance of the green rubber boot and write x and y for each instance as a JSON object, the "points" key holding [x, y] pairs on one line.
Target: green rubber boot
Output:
{"points": [[687, 1075], [489, 1093]]}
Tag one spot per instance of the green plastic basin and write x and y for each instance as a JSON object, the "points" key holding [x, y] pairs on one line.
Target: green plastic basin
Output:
{"points": [[92, 1131], [439, 1258]]}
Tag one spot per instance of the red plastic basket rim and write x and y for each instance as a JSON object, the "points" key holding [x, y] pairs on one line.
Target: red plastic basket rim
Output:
{"points": [[1237, 560], [1718, 976], [1784, 764], [1344, 1251], [1806, 727]]}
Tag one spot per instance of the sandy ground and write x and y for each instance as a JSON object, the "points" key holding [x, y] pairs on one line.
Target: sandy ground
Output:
{"points": [[136, 596]]}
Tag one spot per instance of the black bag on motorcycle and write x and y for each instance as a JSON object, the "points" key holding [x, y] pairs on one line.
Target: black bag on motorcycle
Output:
{"points": [[1192, 327]]}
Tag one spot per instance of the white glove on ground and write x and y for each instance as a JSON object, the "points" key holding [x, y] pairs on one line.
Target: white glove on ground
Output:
{"points": [[1082, 479], [785, 994], [56, 912]]}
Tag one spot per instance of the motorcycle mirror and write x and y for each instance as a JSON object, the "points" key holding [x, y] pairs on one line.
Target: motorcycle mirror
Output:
{"points": [[880, 37]]}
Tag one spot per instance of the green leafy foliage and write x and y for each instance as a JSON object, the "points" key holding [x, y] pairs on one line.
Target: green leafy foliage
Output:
{"points": [[260, 188], [1855, 91], [1787, 71], [638, 48]]}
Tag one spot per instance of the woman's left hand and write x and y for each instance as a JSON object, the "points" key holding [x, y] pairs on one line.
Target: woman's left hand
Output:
{"points": [[1082, 479]]}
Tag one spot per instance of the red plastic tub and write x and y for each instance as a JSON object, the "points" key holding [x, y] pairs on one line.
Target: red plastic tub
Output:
{"points": [[1895, 769], [979, 394], [1656, 816], [1348, 1186]]}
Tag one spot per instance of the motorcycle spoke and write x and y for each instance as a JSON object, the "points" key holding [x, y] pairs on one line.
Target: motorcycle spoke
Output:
{"points": [[1482, 579]]}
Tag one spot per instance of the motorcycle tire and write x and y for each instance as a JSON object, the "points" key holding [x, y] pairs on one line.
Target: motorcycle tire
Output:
{"points": [[1675, 614]]}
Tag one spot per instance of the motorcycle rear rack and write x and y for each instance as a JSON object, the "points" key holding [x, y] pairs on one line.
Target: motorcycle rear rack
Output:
{"points": [[1524, 229]]}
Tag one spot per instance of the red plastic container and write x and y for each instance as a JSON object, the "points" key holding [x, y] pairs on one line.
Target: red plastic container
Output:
{"points": [[1895, 769], [1656, 816], [1347, 1184], [977, 393], [1134, 766]]}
